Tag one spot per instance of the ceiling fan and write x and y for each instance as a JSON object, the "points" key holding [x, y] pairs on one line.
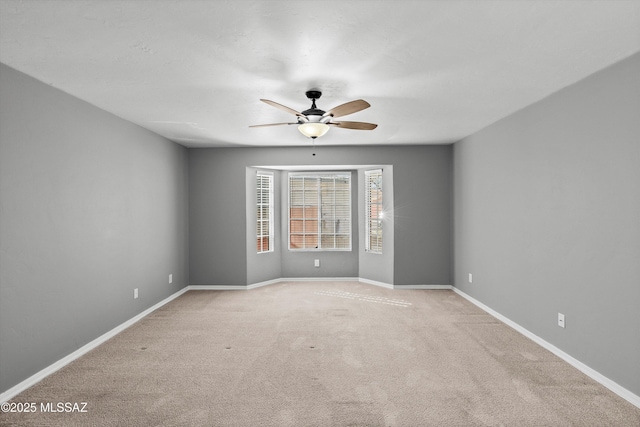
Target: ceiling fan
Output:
{"points": [[314, 122]]}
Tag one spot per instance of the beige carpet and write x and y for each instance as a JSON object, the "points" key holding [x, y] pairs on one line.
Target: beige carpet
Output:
{"points": [[322, 354]]}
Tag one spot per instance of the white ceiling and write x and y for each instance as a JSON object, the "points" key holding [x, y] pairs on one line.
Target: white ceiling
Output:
{"points": [[433, 71]]}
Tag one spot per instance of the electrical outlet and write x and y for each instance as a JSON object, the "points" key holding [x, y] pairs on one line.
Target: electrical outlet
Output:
{"points": [[135, 293], [561, 320], [470, 278], [316, 263], [171, 278]]}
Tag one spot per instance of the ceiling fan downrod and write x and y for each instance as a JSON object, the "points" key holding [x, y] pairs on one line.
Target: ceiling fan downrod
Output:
{"points": [[313, 111]]}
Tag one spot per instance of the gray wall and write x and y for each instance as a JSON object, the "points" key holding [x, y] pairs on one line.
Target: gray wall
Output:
{"points": [[218, 203], [91, 207], [547, 218]]}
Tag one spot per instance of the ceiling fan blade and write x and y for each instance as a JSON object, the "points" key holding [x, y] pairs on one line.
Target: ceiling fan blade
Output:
{"points": [[348, 108], [272, 124], [281, 107], [354, 125]]}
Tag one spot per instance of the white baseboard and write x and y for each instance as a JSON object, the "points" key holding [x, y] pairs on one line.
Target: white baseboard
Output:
{"points": [[312, 279], [39, 376], [318, 279], [266, 283], [269, 282], [216, 288], [593, 374], [376, 283], [428, 287]]}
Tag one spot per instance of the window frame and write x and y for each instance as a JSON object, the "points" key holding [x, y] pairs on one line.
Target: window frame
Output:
{"points": [[369, 209], [318, 176], [270, 212]]}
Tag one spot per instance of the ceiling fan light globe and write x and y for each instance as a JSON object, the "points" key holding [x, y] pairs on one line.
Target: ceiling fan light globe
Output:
{"points": [[313, 129]]}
